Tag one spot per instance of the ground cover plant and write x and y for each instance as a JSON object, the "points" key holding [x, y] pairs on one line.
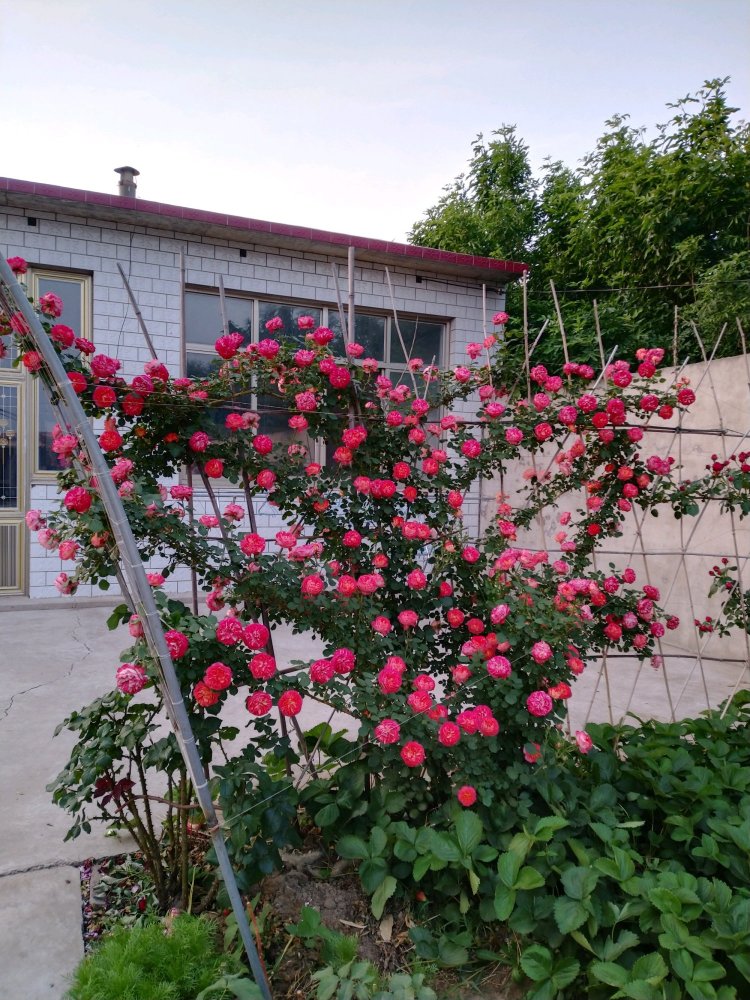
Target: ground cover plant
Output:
{"points": [[457, 795]]}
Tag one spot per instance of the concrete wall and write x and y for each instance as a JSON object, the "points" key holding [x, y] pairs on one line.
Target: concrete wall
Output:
{"points": [[673, 554], [150, 258]]}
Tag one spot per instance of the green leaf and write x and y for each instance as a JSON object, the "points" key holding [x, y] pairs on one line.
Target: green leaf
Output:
{"points": [[609, 973], [579, 882], [327, 816], [444, 847], [474, 881], [351, 847], [565, 971], [639, 989], [570, 914], [529, 878], [650, 967], [537, 962], [378, 840], [682, 963], [508, 867], [469, 831], [547, 826], [505, 900], [451, 953], [372, 872], [381, 896], [706, 970]]}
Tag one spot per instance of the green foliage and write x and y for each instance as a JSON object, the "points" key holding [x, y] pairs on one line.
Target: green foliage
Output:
{"points": [[152, 964], [345, 976], [663, 220], [627, 891]]}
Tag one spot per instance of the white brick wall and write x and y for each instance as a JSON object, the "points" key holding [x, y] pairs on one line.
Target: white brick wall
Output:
{"points": [[150, 258]]}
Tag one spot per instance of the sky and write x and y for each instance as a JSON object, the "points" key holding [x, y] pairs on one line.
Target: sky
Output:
{"points": [[347, 115]]}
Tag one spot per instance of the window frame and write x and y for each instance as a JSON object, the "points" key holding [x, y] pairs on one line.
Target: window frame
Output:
{"points": [[85, 282], [390, 335]]}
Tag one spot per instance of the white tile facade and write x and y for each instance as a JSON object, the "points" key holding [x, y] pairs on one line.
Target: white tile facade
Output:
{"points": [[151, 259]]}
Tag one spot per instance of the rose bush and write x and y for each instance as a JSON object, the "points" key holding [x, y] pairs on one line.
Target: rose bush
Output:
{"points": [[454, 654]]}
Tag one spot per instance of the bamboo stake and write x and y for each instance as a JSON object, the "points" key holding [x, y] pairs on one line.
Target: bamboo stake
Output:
{"points": [[350, 276], [407, 354], [137, 311]]}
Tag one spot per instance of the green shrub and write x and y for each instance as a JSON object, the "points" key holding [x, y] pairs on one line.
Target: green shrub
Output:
{"points": [[147, 963]]}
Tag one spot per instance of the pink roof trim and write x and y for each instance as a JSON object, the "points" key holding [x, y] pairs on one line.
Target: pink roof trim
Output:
{"points": [[259, 226]]}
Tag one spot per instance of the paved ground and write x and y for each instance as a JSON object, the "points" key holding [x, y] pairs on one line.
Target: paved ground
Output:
{"points": [[56, 657]]}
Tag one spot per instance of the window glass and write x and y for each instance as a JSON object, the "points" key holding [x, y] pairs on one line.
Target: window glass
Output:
{"points": [[203, 317], [288, 314], [369, 331], [72, 293], [421, 338]]}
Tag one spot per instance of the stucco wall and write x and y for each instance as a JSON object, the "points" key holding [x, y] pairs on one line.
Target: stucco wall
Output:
{"points": [[673, 554]]}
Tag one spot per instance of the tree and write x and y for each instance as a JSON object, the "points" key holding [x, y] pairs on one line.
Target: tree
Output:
{"points": [[649, 228]]}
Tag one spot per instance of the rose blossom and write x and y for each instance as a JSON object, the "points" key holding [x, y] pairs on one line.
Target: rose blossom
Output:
{"points": [[262, 666], [541, 652], [467, 794], [77, 499], [381, 625], [290, 703], [204, 696], [412, 754], [229, 631], [218, 676], [449, 734], [131, 678], [539, 703], [584, 741], [259, 703], [177, 643], [255, 635], [387, 731], [312, 585]]}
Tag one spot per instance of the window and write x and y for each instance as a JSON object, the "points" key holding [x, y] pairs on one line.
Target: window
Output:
{"points": [[75, 292], [375, 332]]}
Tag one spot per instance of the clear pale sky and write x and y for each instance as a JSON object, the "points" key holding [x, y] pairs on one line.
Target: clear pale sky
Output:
{"points": [[348, 115]]}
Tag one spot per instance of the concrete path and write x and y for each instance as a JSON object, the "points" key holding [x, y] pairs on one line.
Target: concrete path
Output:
{"points": [[57, 656]]}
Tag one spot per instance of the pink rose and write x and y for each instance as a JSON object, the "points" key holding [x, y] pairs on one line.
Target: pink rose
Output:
{"points": [[228, 345], [17, 265], [177, 642], [312, 585], [584, 741], [539, 703], [290, 703], [499, 666], [262, 666], [412, 754], [541, 652], [130, 678], [500, 318], [78, 500], [449, 734], [218, 676], [65, 585], [34, 520], [467, 794], [387, 731], [259, 703], [51, 304], [381, 625], [255, 635]]}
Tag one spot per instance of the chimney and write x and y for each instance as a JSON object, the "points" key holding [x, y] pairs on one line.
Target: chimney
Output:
{"points": [[126, 186]]}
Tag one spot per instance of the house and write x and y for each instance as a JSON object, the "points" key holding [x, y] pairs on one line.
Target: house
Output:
{"points": [[174, 260]]}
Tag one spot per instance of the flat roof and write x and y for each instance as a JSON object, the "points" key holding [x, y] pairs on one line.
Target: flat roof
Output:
{"points": [[137, 211]]}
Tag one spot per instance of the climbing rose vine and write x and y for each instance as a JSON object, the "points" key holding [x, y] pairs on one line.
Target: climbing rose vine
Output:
{"points": [[454, 653]]}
